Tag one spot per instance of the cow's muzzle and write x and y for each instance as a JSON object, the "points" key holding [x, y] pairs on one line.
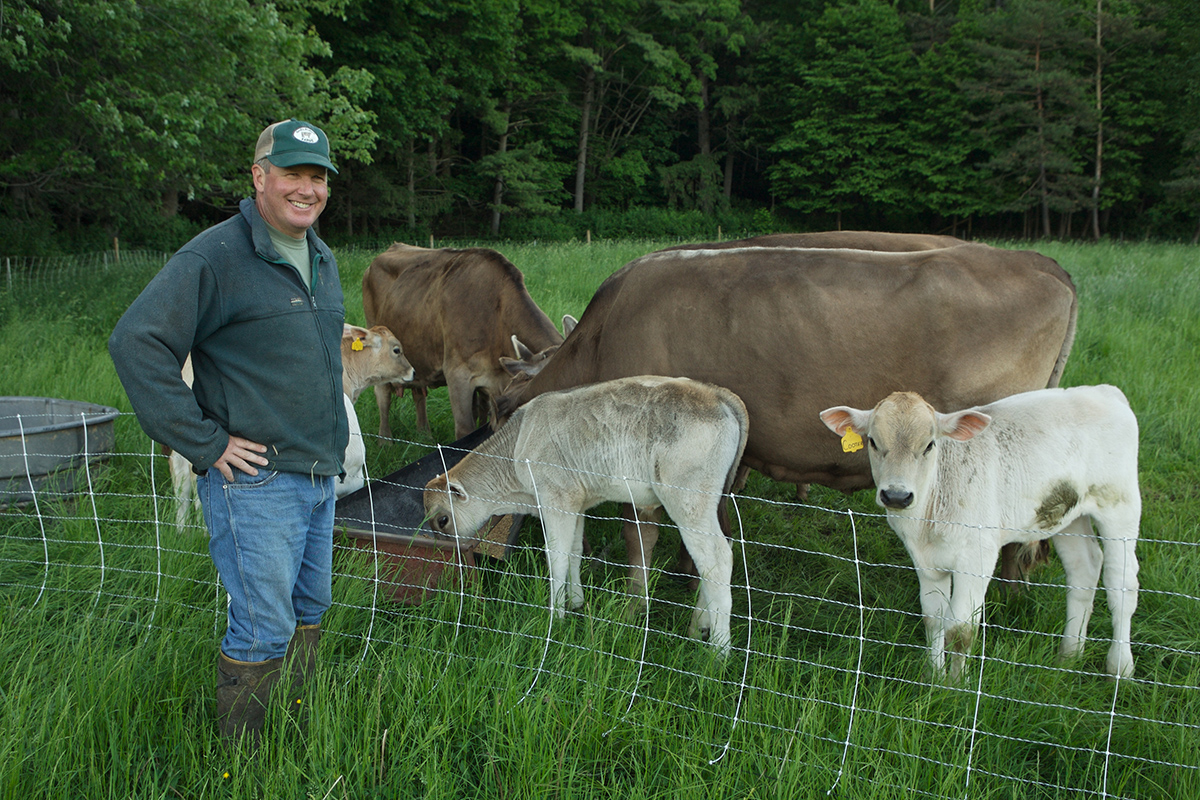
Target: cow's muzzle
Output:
{"points": [[895, 498]]}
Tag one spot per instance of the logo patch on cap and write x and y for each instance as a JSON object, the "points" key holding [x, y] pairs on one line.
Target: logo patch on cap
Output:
{"points": [[307, 135]]}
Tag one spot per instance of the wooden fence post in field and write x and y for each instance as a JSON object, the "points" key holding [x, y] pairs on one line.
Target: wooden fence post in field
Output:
{"points": [[116, 251], [589, 236]]}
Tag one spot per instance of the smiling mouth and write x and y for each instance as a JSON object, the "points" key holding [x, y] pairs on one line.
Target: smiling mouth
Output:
{"points": [[301, 206]]}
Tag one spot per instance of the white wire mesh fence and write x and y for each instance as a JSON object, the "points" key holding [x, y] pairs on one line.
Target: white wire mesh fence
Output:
{"points": [[828, 658], [24, 273]]}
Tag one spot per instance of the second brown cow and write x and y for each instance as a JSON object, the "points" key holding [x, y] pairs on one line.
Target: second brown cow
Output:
{"points": [[455, 312]]}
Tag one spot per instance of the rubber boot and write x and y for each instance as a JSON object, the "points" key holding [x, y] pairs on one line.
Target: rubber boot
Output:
{"points": [[302, 663], [243, 689]]}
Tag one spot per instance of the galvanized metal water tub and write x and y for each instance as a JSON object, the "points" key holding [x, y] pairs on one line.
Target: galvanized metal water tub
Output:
{"points": [[44, 443]]}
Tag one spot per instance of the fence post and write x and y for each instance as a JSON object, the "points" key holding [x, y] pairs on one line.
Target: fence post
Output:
{"points": [[8, 271]]}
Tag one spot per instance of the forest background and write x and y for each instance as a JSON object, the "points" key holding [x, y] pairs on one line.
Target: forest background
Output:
{"points": [[556, 119]]}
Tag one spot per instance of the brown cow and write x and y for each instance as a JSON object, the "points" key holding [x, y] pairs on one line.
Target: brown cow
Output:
{"points": [[455, 311], [795, 329]]}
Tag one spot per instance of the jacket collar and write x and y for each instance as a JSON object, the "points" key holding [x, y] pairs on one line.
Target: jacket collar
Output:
{"points": [[262, 237]]}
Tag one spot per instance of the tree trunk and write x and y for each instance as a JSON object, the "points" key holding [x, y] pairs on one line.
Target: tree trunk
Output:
{"points": [[412, 185], [170, 203], [589, 97], [1099, 126], [704, 140], [1043, 185], [498, 190], [728, 188]]}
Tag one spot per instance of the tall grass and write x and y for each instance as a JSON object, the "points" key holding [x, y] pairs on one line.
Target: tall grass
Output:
{"points": [[112, 620]]}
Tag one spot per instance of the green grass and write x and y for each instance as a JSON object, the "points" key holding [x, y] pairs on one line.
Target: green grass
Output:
{"points": [[107, 689]]}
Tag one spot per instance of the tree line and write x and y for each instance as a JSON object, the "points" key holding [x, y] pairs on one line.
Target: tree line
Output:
{"points": [[1024, 118]]}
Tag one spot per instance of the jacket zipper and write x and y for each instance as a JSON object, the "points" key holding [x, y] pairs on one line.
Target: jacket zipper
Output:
{"points": [[335, 380]]}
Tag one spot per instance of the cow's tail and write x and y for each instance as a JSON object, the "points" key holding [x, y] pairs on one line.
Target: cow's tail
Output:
{"points": [[737, 410]]}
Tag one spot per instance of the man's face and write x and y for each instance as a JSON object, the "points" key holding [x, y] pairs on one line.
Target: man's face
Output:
{"points": [[290, 198]]}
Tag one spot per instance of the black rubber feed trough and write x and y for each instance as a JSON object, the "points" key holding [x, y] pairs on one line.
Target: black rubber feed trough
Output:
{"points": [[45, 442], [386, 519]]}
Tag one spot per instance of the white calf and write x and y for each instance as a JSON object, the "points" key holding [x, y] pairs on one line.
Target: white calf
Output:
{"points": [[370, 357], [957, 487], [650, 441]]}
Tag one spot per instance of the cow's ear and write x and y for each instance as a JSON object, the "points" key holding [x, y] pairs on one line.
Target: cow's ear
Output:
{"points": [[458, 493], [569, 324], [962, 425], [512, 366], [841, 418], [354, 332]]}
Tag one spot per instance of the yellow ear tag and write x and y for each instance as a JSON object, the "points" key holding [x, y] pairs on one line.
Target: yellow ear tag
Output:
{"points": [[358, 345], [851, 442]]}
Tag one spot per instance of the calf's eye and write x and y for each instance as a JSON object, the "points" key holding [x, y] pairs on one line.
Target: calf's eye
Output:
{"points": [[443, 521], [929, 448]]}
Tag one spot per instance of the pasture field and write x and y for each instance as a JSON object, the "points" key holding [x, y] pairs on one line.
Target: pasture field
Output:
{"points": [[112, 618]]}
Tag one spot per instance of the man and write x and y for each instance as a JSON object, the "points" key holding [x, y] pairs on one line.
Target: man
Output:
{"points": [[257, 303]]}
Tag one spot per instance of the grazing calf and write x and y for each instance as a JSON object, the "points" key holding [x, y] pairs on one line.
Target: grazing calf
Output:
{"points": [[959, 486], [655, 442], [369, 358]]}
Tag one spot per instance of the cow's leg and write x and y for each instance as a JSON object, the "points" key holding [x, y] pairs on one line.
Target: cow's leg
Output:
{"points": [[1081, 558], [971, 579], [383, 400], [462, 398], [713, 557], [575, 562], [641, 534], [560, 529], [419, 395], [934, 590], [184, 482], [1119, 531]]}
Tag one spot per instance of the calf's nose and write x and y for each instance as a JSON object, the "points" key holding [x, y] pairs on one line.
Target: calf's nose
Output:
{"points": [[895, 498]]}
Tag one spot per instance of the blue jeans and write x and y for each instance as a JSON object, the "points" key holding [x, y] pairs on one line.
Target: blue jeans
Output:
{"points": [[271, 538]]}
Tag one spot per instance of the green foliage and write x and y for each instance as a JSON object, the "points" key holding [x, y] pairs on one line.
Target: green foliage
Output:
{"points": [[1036, 105], [694, 184], [448, 116], [848, 143]]}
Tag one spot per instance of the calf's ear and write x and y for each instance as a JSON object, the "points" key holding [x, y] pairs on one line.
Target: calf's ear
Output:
{"points": [[840, 418], [569, 324], [962, 425], [354, 331], [513, 366], [458, 492]]}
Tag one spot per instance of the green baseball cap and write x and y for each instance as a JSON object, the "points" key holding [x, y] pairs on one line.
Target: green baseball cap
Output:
{"points": [[291, 143]]}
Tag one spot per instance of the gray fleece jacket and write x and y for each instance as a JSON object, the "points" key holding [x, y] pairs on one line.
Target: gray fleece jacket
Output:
{"points": [[266, 351]]}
